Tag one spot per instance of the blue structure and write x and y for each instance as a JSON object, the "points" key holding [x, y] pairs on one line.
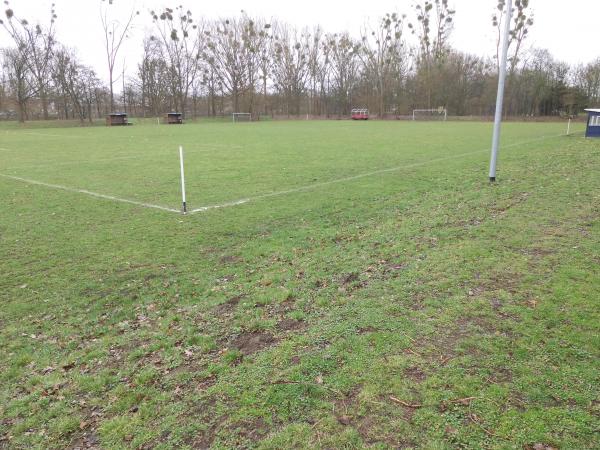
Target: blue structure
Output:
{"points": [[593, 123]]}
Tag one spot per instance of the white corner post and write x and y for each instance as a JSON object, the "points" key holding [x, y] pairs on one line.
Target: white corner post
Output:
{"points": [[184, 206], [569, 127], [500, 97]]}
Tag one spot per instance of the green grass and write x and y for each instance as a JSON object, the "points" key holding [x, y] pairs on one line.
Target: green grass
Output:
{"points": [[419, 307]]}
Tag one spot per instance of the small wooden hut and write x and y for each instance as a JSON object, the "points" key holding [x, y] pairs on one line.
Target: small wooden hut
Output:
{"points": [[116, 119], [174, 118]]}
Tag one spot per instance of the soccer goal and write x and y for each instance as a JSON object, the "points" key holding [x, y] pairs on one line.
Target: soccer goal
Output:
{"points": [[241, 117], [430, 114]]}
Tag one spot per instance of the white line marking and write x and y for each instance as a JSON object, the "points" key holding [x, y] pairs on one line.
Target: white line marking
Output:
{"points": [[224, 205], [90, 193], [364, 175]]}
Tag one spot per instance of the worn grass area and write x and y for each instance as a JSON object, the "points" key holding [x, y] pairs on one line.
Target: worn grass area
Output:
{"points": [[415, 308]]}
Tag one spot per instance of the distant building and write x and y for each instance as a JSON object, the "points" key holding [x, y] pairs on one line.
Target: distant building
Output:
{"points": [[116, 119], [593, 123], [174, 118]]}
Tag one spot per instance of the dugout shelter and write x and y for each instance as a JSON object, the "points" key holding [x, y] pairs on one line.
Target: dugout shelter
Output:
{"points": [[593, 123], [174, 118], [117, 119]]}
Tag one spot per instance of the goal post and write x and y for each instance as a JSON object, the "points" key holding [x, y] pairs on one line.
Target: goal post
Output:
{"points": [[241, 117], [430, 114]]}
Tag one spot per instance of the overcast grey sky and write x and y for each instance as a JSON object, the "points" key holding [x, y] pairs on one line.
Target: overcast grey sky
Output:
{"points": [[567, 28]]}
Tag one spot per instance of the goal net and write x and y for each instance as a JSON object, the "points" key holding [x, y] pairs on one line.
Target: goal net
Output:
{"points": [[241, 117], [430, 114]]}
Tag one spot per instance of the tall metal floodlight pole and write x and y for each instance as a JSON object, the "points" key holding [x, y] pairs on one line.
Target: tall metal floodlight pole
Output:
{"points": [[500, 98]]}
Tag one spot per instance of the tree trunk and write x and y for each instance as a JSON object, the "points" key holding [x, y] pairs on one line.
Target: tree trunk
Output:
{"points": [[265, 94], [44, 99], [112, 95]]}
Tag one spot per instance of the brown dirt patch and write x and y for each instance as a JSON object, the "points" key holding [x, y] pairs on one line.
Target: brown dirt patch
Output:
{"points": [[229, 305], [537, 252], [343, 407], [251, 429], [501, 375], [252, 342], [367, 425], [89, 441], [415, 374], [230, 259], [205, 440], [367, 330], [285, 306], [289, 325], [349, 278], [206, 383]]}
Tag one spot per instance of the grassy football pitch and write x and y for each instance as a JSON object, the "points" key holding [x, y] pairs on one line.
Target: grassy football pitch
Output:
{"points": [[336, 285]]}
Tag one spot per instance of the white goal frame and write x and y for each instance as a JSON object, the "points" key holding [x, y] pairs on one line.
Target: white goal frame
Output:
{"points": [[234, 115], [439, 111]]}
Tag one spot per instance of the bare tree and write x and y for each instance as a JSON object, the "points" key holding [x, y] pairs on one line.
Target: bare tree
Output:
{"points": [[435, 19], [36, 44], [181, 47], [115, 33], [3, 85], [154, 79], [20, 80], [433, 32], [587, 78], [290, 68], [522, 22], [66, 74], [231, 52], [265, 61], [383, 54], [316, 69], [257, 39], [344, 67]]}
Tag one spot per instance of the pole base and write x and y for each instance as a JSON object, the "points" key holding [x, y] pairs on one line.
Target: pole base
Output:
{"points": [[184, 208], [492, 179]]}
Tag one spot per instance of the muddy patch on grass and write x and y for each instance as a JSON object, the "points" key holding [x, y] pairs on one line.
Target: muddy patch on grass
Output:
{"points": [[501, 375], [252, 342], [368, 425], [495, 282], [367, 330], [231, 259], [205, 440], [229, 305], [206, 383], [252, 430], [343, 407], [290, 325], [286, 305], [538, 252], [349, 278], [89, 441], [415, 374]]}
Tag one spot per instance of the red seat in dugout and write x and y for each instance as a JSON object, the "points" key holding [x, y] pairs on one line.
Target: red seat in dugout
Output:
{"points": [[360, 114]]}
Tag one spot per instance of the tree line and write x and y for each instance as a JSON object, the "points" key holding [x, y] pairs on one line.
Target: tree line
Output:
{"points": [[207, 67]]}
